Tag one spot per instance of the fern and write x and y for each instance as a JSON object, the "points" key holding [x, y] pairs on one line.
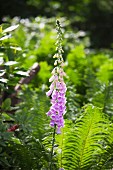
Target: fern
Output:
{"points": [[105, 161], [108, 102], [30, 153], [73, 102], [31, 115], [85, 141], [99, 93]]}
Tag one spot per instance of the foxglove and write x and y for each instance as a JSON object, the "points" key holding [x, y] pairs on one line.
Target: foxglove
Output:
{"points": [[57, 89]]}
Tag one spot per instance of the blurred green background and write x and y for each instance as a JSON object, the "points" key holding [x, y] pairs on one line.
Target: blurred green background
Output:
{"points": [[92, 16]]}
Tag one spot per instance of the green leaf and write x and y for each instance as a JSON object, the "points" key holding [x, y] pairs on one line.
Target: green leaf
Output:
{"points": [[23, 73], [6, 104], [3, 80], [9, 29], [10, 63], [105, 73], [5, 37], [1, 60], [16, 48], [16, 140], [6, 116]]}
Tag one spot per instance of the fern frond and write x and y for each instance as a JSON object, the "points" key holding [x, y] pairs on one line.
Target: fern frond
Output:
{"points": [[31, 115], [33, 128], [84, 140], [73, 102], [108, 102], [105, 161]]}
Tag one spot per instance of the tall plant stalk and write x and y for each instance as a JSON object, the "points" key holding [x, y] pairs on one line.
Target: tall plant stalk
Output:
{"points": [[57, 91], [52, 149]]}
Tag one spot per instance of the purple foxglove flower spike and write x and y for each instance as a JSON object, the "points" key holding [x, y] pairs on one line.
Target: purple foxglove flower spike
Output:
{"points": [[57, 88]]}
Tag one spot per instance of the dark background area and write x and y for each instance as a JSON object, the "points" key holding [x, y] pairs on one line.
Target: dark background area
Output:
{"points": [[93, 16]]}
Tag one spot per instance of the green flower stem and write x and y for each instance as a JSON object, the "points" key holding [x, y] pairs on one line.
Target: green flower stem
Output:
{"points": [[53, 142], [61, 148]]}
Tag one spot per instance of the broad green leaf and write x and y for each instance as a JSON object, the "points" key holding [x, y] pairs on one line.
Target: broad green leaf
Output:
{"points": [[23, 73], [16, 140], [9, 29], [6, 116], [5, 37], [16, 48], [1, 74], [3, 80], [10, 63], [6, 104]]}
